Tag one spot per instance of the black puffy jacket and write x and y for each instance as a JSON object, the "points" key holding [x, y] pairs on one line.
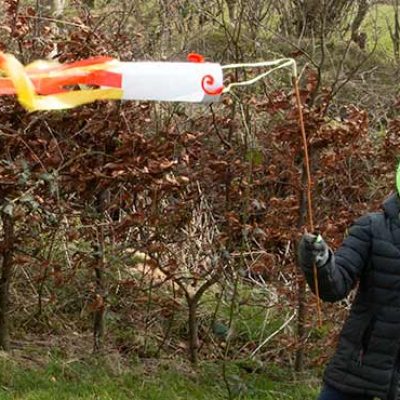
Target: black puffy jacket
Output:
{"points": [[367, 359]]}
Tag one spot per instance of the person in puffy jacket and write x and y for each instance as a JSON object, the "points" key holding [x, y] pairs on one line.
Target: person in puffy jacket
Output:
{"points": [[366, 364]]}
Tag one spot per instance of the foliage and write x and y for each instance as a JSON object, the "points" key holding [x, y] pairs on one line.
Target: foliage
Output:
{"points": [[170, 221]]}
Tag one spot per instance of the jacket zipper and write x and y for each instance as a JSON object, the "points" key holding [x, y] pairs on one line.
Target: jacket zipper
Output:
{"points": [[394, 381], [365, 339]]}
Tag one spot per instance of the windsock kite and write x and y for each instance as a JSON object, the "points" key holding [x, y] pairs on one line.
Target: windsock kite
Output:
{"points": [[46, 85]]}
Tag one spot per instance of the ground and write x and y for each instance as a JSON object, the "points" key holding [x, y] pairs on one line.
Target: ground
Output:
{"points": [[110, 377]]}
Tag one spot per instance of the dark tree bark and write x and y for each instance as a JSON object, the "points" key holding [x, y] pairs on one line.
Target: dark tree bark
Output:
{"points": [[193, 302], [51, 8], [311, 18], [89, 3], [307, 17], [193, 332], [231, 9], [5, 280], [362, 11], [395, 30], [100, 296]]}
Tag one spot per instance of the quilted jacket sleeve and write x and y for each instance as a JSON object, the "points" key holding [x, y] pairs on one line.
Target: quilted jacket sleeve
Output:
{"points": [[343, 269]]}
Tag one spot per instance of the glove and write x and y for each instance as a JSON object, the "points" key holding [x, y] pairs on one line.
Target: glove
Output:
{"points": [[312, 249]]}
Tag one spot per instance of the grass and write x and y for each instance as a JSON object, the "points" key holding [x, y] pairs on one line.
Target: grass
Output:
{"points": [[376, 27], [252, 321], [96, 379]]}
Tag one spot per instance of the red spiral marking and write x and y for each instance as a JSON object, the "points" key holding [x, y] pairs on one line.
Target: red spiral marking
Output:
{"points": [[209, 81]]}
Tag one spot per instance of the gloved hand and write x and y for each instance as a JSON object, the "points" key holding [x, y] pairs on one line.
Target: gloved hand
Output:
{"points": [[312, 248]]}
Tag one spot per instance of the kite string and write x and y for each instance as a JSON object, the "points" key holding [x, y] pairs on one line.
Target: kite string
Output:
{"points": [[279, 64]]}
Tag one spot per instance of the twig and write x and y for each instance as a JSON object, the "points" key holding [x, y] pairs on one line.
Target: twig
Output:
{"points": [[270, 337], [227, 144], [309, 187]]}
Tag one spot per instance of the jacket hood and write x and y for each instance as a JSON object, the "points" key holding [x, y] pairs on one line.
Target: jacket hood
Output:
{"points": [[391, 206]]}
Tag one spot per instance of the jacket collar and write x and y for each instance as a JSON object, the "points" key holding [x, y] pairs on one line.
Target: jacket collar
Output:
{"points": [[391, 206]]}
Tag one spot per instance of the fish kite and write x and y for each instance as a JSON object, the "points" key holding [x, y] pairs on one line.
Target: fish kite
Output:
{"points": [[49, 85]]}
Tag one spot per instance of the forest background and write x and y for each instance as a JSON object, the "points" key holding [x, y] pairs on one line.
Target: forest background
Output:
{"points": [[149, 249]]}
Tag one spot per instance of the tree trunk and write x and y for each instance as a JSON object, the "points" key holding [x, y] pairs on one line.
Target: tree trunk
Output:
{"points": [[316, 18], [193, 302], [100, 296], [362, 11], [301, 323], [307, 17], [193, 331], [89, 3], [47, 12], [395, 31], [51, 8], [231, 9], [6, 273], [57, 8]]}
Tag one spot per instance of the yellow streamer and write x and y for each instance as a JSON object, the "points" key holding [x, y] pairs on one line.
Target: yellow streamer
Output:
{"points": [[27, 96]]}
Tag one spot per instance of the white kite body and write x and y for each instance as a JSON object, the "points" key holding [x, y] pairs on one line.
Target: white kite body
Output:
{"points": [[171, 81]]}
